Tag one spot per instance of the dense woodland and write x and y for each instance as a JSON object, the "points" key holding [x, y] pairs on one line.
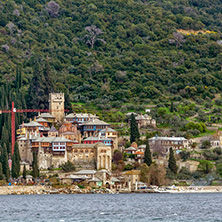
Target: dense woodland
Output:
{"points": [[113, 53], [106, 51]]}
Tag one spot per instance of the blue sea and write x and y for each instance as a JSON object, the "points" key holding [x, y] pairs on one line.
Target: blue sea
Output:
{"points": [[111, 207]]}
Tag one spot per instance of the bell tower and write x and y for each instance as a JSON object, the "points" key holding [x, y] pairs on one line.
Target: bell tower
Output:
{"points": [[56, 105]]}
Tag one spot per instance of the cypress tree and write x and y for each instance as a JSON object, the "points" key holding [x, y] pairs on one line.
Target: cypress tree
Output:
{"points": [[20, 77], [36, 92], [16, 162], [35, 170], [48, 85], [5, 165], [68, 104], [49, 82], [24, 172], [171, 107], [1, 153], [1, 173], [17, 158], [9, 135], [147, 155], [172, 164], [134, 132], [5, 135], [14, 166], [17, 78]]}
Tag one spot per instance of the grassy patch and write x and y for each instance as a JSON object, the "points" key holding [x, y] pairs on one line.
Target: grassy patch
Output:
{"points": [[81, 104], [208, 132]]}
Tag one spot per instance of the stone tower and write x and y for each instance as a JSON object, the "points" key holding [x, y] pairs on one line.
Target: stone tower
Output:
{"points": [[56, 105]]}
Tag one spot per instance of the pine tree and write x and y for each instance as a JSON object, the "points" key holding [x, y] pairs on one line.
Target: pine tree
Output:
{"points": [[1, 173], [35, 170], [5, 165], [24, 172], [147, 155], [172, 162], [134, 132]]}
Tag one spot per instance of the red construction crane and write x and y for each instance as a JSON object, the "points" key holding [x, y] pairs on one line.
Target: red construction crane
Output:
{"points": [[13, 111]]}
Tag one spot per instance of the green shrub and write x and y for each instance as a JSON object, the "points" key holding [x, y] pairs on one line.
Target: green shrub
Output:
{"points": [[184, 174], [128, 167], [81, 186], [68, 166]]}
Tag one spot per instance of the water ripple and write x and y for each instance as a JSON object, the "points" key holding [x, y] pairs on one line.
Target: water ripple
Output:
{"points": [[111, 208]]}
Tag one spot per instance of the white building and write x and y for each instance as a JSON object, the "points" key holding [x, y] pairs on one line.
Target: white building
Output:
{"points": [[176, 143]]}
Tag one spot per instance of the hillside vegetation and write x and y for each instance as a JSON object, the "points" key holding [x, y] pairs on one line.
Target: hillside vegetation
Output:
{"points": [[112, 57], [114, 51]]}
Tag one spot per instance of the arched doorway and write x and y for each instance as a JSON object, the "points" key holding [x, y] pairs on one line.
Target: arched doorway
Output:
{"points": [[107, 185]]}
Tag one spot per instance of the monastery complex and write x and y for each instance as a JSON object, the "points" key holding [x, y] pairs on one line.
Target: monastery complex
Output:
{"points": [[57, 138]]}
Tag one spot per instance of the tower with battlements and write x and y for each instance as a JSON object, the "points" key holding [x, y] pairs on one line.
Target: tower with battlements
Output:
{"points": [[56, 105]]}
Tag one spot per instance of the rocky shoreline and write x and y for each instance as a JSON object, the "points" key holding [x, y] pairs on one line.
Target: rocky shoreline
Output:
{"points": [[30, 190], [40, 190]]}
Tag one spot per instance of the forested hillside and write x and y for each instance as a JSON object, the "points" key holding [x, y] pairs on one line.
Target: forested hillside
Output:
{"points": [[114, 54], [114, 50]]}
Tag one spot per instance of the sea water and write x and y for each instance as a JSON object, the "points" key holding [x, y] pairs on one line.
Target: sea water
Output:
{"points": [[111, 207]]}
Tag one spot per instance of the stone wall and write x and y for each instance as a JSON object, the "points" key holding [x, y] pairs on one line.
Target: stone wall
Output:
{"points": [[95, 156], [190, 165], [46, 160], [82, 157]]}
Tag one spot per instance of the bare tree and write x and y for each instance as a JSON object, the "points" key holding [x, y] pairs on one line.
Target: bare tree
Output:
{"points": [[157, 148], [96, 67], [5, 47], [16, 12], [157, 175], [178, 39], [92, 36], [53, 9], [121, 76], [11, 27], [117, 156]]}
